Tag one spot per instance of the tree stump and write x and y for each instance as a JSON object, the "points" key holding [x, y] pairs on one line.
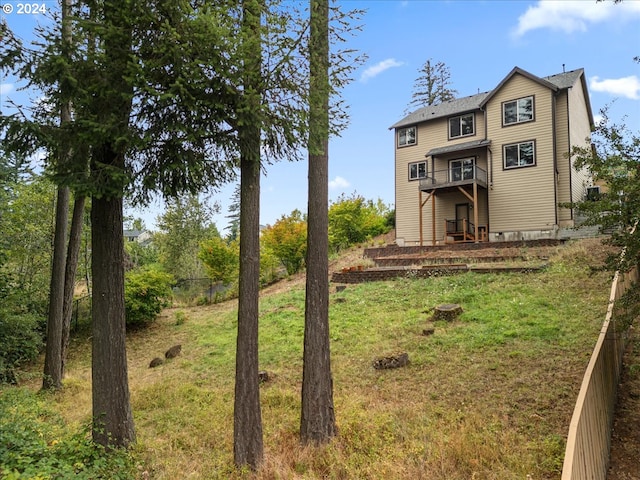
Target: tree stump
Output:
{"points": [[173, 351], [447, 312], [391, 361], [156, 362]]}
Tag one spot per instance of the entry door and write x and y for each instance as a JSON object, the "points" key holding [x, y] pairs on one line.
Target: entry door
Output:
{"points": [[462, 214]]}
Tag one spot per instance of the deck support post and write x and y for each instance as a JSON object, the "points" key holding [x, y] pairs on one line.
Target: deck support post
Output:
{"points": [[475, 212]]}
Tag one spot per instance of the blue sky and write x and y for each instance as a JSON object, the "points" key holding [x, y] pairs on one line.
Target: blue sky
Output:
{"points": [[480, 42]]}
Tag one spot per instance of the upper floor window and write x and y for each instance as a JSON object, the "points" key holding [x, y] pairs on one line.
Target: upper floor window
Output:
{"points": [[517, 111], [417, 170], [406, 136], [520, 155], [462, 126]]}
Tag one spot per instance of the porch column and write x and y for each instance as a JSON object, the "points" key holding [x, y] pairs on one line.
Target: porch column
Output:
{"points": [[433, 219], [420, 204], [475, 211]]}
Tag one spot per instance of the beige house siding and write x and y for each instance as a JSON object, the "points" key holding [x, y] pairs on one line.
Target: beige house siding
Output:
{"points": [[522, 198], [429, 135], [579, 135], [406, 191], [564, 176]]}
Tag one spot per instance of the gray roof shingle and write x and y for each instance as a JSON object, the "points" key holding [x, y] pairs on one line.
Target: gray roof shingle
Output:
{"points": [[430, 112], [474, 102]]}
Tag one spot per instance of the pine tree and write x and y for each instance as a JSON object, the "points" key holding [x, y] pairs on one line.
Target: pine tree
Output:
{"points": [[318, 424], [432, 87]]}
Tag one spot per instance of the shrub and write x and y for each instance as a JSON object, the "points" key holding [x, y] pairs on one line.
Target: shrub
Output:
{"points": [[221, 259], [21, 342], [353, 220], [35, 444], [270, 267], [287, 241], [146, 293]]}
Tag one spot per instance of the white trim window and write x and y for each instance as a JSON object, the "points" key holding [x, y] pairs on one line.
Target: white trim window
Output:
{"points": [[517, 111], [518, 155], [462, 169], [417, 170], [406, 136], [462, 126]]}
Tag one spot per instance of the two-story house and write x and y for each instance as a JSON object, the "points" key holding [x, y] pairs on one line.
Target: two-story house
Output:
{"points": [[493, 166]]}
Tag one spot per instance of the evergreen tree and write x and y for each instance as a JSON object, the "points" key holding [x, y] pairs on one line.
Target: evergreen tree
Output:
{"points": [[318, 424], [432, 87]]}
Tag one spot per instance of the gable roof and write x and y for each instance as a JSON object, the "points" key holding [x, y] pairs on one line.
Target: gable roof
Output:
{"points": [[559, 81]]}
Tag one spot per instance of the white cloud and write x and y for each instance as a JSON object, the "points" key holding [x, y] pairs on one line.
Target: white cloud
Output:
{"points": [[628, 87], [379, 67], [338, 182], [597, 119], [5, 88], [572, 16]]}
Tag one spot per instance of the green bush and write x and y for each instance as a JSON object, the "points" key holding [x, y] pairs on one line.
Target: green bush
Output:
{"points": [[287, 241], [21, 342], [353, 220], [221, 259], [146, 293], [35, 444]]}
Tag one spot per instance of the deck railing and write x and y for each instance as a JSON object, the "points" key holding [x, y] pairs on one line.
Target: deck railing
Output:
{"points": [[460, 226], [454, 176]]}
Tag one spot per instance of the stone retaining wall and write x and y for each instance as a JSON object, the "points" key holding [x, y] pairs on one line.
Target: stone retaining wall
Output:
{"points": [[394, 250], [379, 274]]}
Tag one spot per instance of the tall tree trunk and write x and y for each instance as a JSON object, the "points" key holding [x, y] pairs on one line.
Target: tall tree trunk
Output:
{"points": [[112, 416], [248, 446], [52, 378], [318, 424], [73, 253], [53, 370]]}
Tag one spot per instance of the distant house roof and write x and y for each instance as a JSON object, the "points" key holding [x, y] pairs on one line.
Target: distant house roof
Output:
{"points": [[555, 82], [132, 233]]}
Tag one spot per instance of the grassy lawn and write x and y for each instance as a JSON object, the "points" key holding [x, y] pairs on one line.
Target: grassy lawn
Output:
{"points": [[488, 396]]}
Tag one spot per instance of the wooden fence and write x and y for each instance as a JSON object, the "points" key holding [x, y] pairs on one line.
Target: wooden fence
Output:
{"points": [[589, 439]]}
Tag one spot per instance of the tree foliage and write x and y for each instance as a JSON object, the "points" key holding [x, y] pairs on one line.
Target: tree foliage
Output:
{"points": [[614, 163], [287, 240], [146, 292], [221, 259], [21, 342], [27, 234], [184, 225], [433, 86], [354, 219]]}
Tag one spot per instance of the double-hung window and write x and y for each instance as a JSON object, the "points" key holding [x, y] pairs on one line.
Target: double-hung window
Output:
{"points": [[517, 111], [406, 136], [461, 126], [462, 169], [521, 154], [417, 170]]}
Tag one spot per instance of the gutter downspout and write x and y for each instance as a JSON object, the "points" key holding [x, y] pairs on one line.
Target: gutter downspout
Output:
{"points": [[490, 170], [556, 173], [569, 158]]}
